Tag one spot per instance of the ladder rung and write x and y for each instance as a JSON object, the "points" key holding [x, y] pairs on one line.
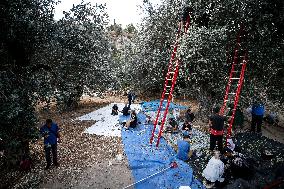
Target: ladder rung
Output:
{"points": [[167, 93], [168, 86], [234, 78], [171, 72], [232, 93], [169, 79]]}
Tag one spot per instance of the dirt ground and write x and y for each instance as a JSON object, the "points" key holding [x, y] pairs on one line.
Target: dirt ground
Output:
{"points": [[90, 161], [86, 161]]}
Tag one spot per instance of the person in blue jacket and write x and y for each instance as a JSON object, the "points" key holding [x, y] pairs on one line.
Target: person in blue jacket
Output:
{"points": [[183, 148], [257, 113], [50, 132]]}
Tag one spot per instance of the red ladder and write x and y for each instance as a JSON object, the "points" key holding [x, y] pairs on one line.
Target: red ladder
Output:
{"points": [[169, 84], [235, 83]]}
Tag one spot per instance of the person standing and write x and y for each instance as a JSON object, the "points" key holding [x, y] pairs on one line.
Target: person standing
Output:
{"points": [[129, 96], [257, 112], [216, 128], [51, 133]]}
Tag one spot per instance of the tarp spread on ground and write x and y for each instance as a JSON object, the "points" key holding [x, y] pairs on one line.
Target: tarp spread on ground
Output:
{"points": [[145, 160], [154, 106], [106, 124]]}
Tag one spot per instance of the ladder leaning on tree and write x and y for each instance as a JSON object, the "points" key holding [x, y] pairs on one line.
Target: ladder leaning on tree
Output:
{"points": [[235, 82], [169, 83]]}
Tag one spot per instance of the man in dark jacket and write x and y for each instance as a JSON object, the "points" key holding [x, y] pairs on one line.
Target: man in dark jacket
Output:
{"points": [[50, 132], [216, 124]]}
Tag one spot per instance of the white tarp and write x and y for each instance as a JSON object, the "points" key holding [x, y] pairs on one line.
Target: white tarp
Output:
{"points": [[106, 124]]}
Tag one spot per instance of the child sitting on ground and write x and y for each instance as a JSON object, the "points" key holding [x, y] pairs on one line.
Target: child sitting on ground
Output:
{"points": [[183, 149]]}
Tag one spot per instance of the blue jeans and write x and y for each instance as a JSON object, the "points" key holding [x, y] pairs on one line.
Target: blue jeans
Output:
{"points": [[48, 150]]}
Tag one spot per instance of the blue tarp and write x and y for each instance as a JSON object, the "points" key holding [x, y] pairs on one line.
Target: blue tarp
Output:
{"points": [[145, 160], [154, 105]]}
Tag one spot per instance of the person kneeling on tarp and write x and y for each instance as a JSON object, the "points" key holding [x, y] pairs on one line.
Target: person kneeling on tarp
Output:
{"points": [[173, 126], [231, 146], [133, 120], [187, 129], [214, 170], [183, 151], [125, 110], [114, 110]]}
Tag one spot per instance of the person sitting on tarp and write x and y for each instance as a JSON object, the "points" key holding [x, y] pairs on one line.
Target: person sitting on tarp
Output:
{"points": [[183, 148], [172, 126], [189, 116], [186, 129], [213, 171], [114, 110], [133, 120], [125, 110], [231, 146]]}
